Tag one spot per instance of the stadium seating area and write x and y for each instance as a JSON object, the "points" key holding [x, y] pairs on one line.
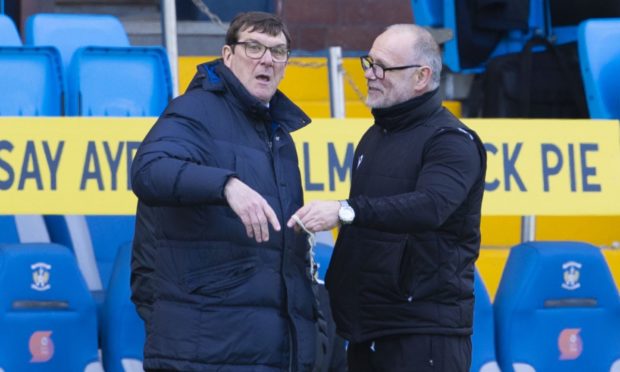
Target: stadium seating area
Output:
{"points": [[65, 279], [599, 53], [79, 65]]}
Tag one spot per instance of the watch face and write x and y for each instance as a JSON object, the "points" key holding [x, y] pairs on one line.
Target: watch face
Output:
{"points": [[346, 214]]}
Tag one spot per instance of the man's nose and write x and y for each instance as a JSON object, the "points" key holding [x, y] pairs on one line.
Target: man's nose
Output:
{"points": [[267, 58], [370, 74]]}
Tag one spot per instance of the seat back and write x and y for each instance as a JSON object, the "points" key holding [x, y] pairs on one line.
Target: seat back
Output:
{"points": [[30, 82], [554, 309], [428, 12], [123, 332], [564, 19], [599, 54], [513, 41], [47, 316], [68, 32], [23, 229], [132, 81], [322, 256], [443, 14], [483, 338], [8, 32], [95, 241]]}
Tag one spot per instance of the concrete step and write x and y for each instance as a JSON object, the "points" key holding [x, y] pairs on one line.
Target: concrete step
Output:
{"points": [[119, 8], [194, 38]]}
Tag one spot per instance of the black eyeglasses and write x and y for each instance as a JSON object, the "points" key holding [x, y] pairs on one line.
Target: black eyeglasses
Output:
{"points": [[256, 50], [378, 70]]}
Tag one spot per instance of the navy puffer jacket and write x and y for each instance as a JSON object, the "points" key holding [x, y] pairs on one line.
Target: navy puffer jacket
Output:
{"points": [[212, 298]]}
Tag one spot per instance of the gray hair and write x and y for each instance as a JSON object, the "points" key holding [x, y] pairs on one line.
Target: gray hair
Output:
{"points": [[425, 49]]}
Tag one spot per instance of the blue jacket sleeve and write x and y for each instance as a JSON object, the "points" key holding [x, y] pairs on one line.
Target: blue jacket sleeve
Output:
{"points": [[451, 167], [171, 166]]}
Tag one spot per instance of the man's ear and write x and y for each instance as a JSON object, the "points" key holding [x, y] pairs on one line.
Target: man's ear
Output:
{"points": [[424, 77], [227, 53]]}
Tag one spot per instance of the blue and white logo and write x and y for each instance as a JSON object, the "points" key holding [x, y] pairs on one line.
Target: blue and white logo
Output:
{"points": [[572, 272], [40, 276]]}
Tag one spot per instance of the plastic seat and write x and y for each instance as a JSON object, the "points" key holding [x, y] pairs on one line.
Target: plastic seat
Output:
{"points": [[428, 12], [47, 316], [123, 331], [68, 32], [23, 229], [442, 14], [133, 81], [8, 32], [557, 309], [483, 339], [31, 82], [322, 256], [599, 54], [564, 19], [95, 241]]}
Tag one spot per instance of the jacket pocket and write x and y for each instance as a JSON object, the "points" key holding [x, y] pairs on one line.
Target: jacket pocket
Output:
{"points": [[406, 272], [381, 255], [382, 268], [221, 277]]}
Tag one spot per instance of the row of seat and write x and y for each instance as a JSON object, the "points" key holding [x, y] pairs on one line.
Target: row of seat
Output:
{"points": [[95, 271], [79, 65], [557, 309], [554, 310], [74, 65]]}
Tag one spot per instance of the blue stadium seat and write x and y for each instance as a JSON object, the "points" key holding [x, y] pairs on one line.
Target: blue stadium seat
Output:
{"points": [[599, 54], [8, 32], [557, 309], [442, 14], [132, 81], [23, 229], [123, 331], [322, 256], [31, 82], [68, 32], [428, 13], [95, 241], [47, 316], [483, 339]]}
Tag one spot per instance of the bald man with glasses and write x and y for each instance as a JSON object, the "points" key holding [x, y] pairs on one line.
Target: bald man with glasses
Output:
{"points": [[401, 277]]}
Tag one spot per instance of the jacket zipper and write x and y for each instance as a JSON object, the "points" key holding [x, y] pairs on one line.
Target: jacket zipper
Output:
{"points": [[269, 140]]}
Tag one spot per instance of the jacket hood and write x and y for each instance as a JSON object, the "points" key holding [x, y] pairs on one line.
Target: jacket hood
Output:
{"points": [[415, 110], [215, 77]]}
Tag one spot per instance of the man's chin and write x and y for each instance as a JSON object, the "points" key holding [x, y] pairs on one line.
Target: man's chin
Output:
{"points": [[263, 95], [374, 103]]}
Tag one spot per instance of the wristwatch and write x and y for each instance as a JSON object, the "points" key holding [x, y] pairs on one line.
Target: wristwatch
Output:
{"points": [[346, 214]]}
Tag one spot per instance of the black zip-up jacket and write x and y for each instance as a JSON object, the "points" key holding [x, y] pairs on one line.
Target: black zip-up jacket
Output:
{"points": [[212, 298], [406, 264]]}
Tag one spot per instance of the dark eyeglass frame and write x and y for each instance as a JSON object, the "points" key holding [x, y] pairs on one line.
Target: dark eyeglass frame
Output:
{"points": [[379, 70], [265, 48]]}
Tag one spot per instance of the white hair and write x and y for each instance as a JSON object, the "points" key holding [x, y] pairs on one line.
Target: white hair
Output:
{"points": [[424, 48]]}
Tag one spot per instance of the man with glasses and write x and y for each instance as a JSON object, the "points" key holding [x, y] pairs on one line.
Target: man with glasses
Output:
{"points": [[401, 276], [218, 281]]}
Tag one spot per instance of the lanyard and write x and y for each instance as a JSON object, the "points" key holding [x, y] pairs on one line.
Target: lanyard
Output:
{"points": [[314, 266]]}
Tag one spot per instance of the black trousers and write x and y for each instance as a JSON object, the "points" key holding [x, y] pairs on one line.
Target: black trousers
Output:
{"points": [[411, 353]]}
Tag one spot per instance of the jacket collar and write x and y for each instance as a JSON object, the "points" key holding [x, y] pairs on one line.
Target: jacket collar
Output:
{"points": [[216, 77], [411, 112]]}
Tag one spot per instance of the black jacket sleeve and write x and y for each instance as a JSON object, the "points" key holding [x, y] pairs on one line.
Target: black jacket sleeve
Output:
{"points": [[452, 165]]}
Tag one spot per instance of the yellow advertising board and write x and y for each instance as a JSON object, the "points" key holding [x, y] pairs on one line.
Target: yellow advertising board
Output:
{"points": [[535, 167]]}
